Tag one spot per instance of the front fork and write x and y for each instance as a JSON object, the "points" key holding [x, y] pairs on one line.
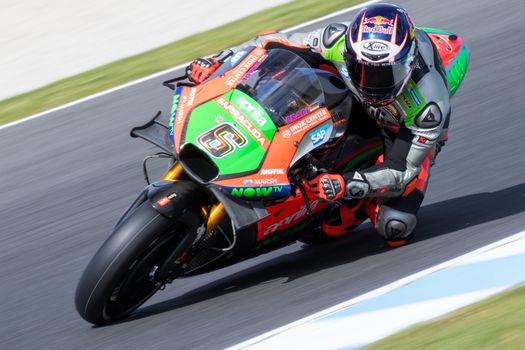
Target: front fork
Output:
{"points": [[213, 214]]}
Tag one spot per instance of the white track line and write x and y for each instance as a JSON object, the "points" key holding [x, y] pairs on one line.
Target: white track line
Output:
{"points": [[138, 81], [380, 291]]}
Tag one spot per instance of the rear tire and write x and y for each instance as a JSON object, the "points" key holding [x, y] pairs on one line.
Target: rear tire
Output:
{"points": [[117, 279], [316, 238]]}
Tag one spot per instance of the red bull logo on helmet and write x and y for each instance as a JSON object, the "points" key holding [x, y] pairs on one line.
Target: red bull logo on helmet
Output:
{"points": [[379, 21], [378, 24]]}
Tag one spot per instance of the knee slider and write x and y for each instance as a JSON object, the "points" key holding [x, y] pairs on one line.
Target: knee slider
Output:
{"points": [[395, 228], [394, 224]]}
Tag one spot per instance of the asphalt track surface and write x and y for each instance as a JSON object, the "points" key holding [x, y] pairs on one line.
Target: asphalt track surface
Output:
{"points": [[66, 177]]}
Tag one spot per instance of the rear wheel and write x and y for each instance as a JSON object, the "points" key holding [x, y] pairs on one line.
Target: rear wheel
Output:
{"points": [[120, 277]]}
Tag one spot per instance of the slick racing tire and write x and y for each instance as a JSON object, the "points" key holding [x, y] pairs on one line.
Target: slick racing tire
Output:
{"points": [[316, 238], [118, 279]]}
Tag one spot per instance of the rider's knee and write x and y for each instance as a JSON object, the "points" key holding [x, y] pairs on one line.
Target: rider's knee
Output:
{"points": [[393, 224]]}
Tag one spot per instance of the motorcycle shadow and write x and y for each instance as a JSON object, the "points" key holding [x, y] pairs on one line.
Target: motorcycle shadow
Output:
{"points": [[436, 219]]}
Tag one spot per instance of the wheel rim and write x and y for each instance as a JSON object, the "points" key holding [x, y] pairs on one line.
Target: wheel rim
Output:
{"points": [[137, 286]]}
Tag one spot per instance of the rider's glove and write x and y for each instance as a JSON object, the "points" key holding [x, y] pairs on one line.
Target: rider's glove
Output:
{"points": [[329, 187], [201, 68], [356, 185]]}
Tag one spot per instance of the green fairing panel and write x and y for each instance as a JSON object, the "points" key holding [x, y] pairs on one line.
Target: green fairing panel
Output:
{"points": [[232, 147], [457, 69]]}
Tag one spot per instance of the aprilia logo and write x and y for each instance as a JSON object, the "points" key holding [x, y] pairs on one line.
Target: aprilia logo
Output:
{"points": [[254, 112]]}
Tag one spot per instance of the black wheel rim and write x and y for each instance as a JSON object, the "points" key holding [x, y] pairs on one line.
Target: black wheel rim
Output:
{"points": [[137, 286]]}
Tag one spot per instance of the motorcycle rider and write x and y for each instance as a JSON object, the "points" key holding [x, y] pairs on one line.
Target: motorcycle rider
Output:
{"points": [[396, 73]]}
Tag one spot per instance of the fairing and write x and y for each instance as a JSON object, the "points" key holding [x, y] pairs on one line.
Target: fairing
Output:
{"points": [[255, 120], [454, 53]]}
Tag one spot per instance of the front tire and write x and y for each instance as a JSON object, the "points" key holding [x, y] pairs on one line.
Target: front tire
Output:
{"points": [[118, 279]]}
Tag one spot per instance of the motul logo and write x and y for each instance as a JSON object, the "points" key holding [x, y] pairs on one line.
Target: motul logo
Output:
{"points": [[272, 172]]}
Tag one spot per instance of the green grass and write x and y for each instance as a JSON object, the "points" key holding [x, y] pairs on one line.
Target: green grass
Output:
{"points": [[496, 323], [164, 57]]}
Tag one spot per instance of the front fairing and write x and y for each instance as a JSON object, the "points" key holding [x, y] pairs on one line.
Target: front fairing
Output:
{"points": [[225, 128], [250, 123]]}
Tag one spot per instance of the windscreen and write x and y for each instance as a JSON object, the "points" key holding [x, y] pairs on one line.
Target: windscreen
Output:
{"points": [[285, 85]]}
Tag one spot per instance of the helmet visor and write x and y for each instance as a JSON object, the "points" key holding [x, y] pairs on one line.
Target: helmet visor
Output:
{"points": [[379, 81]]}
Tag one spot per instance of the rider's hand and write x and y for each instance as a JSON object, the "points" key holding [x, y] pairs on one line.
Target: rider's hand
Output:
{"points": [[329, 187], [201, 68], [356, 185]]}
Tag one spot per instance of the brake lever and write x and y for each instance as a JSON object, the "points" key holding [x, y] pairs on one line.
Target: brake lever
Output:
{"points": [[313, 168], [301, 188]]}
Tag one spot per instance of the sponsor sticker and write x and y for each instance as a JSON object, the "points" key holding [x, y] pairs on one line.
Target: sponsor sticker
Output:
{"points": [[406, 101], [256, 112], [181, 109], [272, 172], [186, 101], [174, 107], [375, 46], [297, 115], [243, 67], [300, 214], [222, 140], [311, 120], [378, 24], [163, 201], [414, 97], [191, 97], [319, 135], [261, 182], [243, 120], [251, 71], [237, 57], [259, 192]]}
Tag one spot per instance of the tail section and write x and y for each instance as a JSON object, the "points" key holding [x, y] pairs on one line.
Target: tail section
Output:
{"points": [[454, 53]]}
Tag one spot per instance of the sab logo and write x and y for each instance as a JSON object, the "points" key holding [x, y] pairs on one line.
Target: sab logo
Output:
{"points": [[318, 136]]}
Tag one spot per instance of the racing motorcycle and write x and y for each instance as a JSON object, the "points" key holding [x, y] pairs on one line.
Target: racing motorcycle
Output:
{"points": [[240, 146]]}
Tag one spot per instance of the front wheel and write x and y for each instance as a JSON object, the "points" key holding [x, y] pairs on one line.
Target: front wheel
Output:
{"points": [[120, 277]]}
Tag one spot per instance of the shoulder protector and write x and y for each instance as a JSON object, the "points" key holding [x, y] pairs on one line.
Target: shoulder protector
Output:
{"points": [[332, 33]]}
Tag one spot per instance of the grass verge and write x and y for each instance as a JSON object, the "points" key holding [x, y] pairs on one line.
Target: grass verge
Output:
{"points": [[134, 67], [496, 323]]}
